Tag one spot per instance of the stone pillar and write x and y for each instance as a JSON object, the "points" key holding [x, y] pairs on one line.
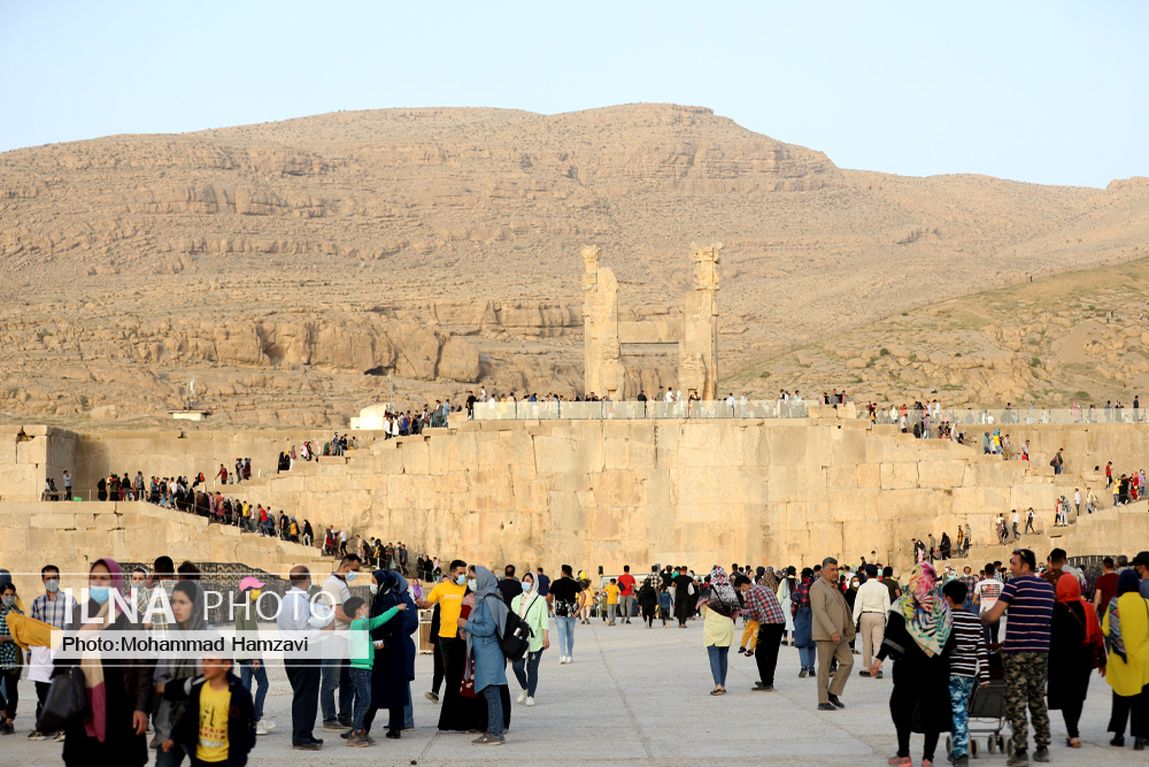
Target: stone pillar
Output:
{"points": [[698, 349], [604, 372]]}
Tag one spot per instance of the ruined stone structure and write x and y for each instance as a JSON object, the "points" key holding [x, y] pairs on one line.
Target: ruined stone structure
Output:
{"points": [[607, 338]]}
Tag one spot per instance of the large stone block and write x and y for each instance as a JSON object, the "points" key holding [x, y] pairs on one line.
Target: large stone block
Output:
{"points": [[897, 476]]}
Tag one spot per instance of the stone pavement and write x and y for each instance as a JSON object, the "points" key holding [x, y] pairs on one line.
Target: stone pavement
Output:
{"points": [[638, 696]]}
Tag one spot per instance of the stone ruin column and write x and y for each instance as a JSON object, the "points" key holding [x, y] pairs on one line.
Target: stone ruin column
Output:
{"points": [[603, 371], [698, 349]]}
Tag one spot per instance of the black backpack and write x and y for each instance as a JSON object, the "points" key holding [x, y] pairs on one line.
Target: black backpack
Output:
{"points": [[516, 637]]}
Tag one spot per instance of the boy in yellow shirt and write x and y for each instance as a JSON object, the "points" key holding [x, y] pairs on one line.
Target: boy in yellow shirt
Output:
{"points": [[612, 591], [218, 725]]}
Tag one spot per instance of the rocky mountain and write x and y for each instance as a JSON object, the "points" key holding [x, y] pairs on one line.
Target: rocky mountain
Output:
{"points": [[439, 250]]}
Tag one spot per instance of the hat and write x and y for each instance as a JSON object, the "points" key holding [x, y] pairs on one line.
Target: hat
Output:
{"points": [[250, 582], [1142, 558]]}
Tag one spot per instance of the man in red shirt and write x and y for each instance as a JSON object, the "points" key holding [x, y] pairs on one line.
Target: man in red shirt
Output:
{"points": [[626, 593], [1106, 587]]}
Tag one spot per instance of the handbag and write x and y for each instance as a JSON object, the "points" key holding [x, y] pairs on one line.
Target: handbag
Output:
{"points": [[66, 701]]}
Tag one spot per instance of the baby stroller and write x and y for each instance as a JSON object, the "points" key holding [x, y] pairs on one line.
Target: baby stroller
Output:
{"points": [[987, 712]]}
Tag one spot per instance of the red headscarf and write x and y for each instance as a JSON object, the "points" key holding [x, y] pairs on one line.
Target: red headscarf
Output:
{"points": [[1069, 591]]}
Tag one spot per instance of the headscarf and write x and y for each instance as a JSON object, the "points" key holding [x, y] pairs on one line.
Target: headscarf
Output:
{"points": [[1126, 582], [92, 664], [928, 617], [767, 578], [486, 592], [1069, 592], [719, 595]]}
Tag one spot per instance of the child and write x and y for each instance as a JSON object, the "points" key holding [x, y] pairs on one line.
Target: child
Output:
{"points": [[362, 651], [218, 726], [749, 636], [612, 591], [664, 606], [968, 661]]}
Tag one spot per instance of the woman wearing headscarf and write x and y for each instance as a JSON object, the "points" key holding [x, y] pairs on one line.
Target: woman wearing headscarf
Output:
{"points": [[1076, 647], [851, 595], [173, 675], [720, 608], [533, 610], [804, 623], [119, 692], [648, 601], [919, 637], [1126, 630], [785, 590], [765, 577], [394, 666], [484, 630]]}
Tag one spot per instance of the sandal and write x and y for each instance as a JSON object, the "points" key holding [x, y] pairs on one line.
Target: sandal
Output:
{"points": [[718, 691]]}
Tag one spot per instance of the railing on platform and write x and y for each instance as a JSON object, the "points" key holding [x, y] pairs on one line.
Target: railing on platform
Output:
{"points": [[629, 411], [1006, 416]]}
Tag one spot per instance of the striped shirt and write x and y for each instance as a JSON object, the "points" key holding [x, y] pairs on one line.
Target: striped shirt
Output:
{"points": [[969, 657], [1029, 613]]}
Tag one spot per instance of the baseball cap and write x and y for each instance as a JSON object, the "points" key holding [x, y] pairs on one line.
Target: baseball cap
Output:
{"points": [[250, 582]]}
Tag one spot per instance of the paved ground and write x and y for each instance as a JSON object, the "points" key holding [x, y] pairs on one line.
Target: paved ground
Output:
{"points": [[639, 696]]}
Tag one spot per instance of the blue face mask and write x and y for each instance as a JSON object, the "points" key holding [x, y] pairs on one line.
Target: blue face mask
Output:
{"points": [[351, 575], [461, 579], [527, 586], [99, 594]]}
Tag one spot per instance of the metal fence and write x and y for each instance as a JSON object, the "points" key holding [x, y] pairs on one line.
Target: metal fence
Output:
{"points": [[629, 411], [1006, 416]]}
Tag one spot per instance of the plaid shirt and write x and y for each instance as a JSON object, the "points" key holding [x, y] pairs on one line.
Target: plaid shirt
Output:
{"points": [[159, 620], [970, 582], [762, 606], [800, 599], [55, 612]]}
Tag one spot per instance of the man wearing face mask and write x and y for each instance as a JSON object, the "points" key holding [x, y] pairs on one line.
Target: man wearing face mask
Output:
{"points": [[52, 608], [296, 621], [337, 673], [454, 714]]}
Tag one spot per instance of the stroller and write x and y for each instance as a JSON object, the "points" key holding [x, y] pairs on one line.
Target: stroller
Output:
{"points": [[987, 707]]}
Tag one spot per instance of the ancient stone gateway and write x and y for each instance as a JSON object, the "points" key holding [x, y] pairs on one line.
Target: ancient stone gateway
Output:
{"points": [[606, 338]]}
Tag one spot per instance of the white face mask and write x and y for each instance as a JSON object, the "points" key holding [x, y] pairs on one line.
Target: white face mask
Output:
{"points": [[374, 587], [52, 585], [471, 584]]}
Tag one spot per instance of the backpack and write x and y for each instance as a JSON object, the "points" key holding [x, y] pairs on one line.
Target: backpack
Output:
{"points": [[516, 639]]}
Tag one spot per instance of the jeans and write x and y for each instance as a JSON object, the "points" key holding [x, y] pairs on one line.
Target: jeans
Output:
{"points": [[803, 639], [718, 663], [527, 671], [247, 670], [361, 683], [335, 674], [11, 696], [494, 710], [565, 627], [961, 688]]}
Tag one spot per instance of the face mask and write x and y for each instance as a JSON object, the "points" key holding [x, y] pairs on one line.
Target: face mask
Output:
{"points": [[527, 586], [99, 594], [255, 595], [52, 585], [472, 584], [351, 575], [460, 579], [374, 588], [10, 601]]}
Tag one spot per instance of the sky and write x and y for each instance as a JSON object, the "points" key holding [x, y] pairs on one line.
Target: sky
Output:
{"points": [[1051, 92]]}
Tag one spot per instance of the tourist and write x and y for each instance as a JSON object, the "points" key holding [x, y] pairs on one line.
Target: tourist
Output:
{"points": [[362, 650], [296, 621], [436, 651], [542, 584], [626, 585], [969, 664], [720, 608], [648, 601], [393, 670], [985, 597], [509, 586], [684, 596], [871, 606], [217, 725], [1025, 653], [785, 589], [588, 601], [918, 638], [803, 626], [763, 609], [449, 595], [1126, 630], [832, 631], [52, 608], [610, 602], [10, 660], [665, 604], [119, 690], [252, 668], [1140, 565], [337, 673], [484, 628], [1105, 588], [532, 608], [567, 599], [1076, 647], [174, 674]]}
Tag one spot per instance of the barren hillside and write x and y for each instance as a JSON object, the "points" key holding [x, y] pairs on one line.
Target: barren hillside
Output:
{"points": [[278, 262]]}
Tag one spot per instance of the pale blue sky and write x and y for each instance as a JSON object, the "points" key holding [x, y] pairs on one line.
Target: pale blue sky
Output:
{"points": [[1047, 92]]}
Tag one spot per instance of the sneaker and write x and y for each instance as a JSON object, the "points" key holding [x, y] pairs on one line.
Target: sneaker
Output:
{"points": [[522, 697], [269, 723], [334, 725], [356, 740], [562, 659], [37, 735], [394, 734], [961, 761], [741, 650], [310, 745], [759, 687], [878, 675], [900, 761], [431, 696], [863, 673], [347, 722], [260, 728], [59, 737], [1041, 755], [1018, 760], [802, 674], [488, 740], [530, 701], [749, 653]]}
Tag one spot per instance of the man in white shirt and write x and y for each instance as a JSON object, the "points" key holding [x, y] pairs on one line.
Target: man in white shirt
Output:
{"points": [[337, 673], [296, 621], [985, 597], [871, 605], [1077, 499]]}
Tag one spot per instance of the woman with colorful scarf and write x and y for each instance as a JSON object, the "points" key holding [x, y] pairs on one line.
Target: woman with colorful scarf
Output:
{"points": [[804, 623], [1126, 630], [919, 638], [1076, 647], [720, 607], [119, 691]]}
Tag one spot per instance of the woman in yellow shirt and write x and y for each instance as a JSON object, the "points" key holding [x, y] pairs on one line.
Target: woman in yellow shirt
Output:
{"points": [[720, 607], [1126, 629]]}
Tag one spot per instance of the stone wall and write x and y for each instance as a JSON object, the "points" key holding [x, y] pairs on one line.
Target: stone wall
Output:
{"points": [[31, 454]]}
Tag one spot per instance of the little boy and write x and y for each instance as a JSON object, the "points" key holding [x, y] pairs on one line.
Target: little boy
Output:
{"points": [[969, 660], [218, 726], [749, 635], [612, 591], [362, 651]]}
